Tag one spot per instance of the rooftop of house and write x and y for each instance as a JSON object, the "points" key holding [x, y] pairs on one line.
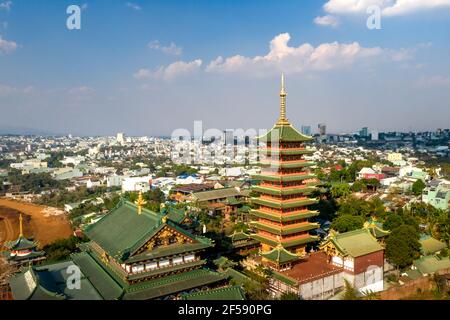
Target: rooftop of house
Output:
{"points": [[356, 243], [430, 245], [313, 267], [216, 194]]}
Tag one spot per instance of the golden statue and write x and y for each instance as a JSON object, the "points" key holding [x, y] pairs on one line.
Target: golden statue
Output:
{"points": [[140, 202]]}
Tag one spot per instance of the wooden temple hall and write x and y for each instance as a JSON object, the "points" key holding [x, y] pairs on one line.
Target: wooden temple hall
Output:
{"points": [[281, 218], [133, 253]]}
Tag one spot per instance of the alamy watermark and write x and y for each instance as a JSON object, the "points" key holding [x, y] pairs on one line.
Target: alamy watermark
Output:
{"points": [[73, 22], [374, 19]]}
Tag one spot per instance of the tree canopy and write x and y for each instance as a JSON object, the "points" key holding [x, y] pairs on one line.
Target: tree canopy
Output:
{"points": [[402, 246]]}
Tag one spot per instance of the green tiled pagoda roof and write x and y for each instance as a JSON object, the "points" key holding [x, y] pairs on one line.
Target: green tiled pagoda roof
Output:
{"points": [[284, 230], [50, 283], [21, 243], [226, 293], [284, 217], [170, 250], [172, 284], [237, 277], [123, 231], [238, 236], [176, 215], [108, 288], [224, 262], [284, 178], [279, 255], [356, 243], [273, 151], [283, 204], [284, 132], [431, 264], [122, 228], [286, 244], [430, 245], [287, 165], [284, 191]]}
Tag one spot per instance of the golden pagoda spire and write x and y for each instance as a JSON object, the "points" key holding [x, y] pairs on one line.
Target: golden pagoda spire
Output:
{"points": [[20, 226], [140, 202], [283, 95]]}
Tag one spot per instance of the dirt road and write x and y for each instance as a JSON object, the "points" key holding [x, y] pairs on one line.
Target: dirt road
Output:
{"points": [[43, 224]]}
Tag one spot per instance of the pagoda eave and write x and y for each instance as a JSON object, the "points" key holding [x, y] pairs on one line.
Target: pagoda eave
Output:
{"points": [[286, 243], [284, 204], [284, 217]]}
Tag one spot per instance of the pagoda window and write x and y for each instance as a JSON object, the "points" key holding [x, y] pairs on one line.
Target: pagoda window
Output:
{"points": [[164, 263], [138, 268], [189, 258], [151, 266], [128, 268], [177, 260]]}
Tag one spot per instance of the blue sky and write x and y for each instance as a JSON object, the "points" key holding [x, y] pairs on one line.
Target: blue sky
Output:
{"points": [[149, 67]]}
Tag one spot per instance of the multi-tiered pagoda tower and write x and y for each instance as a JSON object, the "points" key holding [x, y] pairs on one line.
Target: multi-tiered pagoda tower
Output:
{"points": [[281, 220]]}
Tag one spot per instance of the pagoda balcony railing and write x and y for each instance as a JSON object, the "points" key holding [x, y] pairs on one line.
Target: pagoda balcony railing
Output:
{"points": [[275, 190], [282, 204], [284, 217], [274, 176], [285, 242], [286, 229]]}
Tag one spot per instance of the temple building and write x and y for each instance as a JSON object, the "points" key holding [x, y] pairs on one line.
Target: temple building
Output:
{"points": [[281, 219], [22, 250], [133, 254]]}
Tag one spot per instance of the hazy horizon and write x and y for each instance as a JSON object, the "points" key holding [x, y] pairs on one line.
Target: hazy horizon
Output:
{"points": [[146, 68]]}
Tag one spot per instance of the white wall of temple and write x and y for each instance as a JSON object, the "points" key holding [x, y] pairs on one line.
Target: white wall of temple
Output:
{"points": [[322, 288], [371, 279], [347, 262], [142, 267]]}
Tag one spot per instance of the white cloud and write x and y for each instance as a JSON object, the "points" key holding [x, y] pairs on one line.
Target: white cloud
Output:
{"points": [[83, 90], [6, 90], [436, 81], [327, 20], [305, 57], [7, 46], [133, 6], [388, 7], [171, 49], [172, 71], [6, 5]]}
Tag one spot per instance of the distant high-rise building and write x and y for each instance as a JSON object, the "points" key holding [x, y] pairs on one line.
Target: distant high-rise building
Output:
{"points": [[120, 138], [228, 137], [364, 132], [306, 130], [322, 129], [374, 135]]}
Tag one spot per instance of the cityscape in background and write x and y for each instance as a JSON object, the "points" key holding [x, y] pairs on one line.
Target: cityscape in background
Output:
{"points": [[179, 151]]}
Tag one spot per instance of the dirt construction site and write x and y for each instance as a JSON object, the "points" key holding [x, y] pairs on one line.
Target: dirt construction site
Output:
{"points": [[42, 224]]}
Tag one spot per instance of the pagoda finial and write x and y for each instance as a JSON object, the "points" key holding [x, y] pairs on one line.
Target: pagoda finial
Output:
{"points": [[20, 226], [140, 202], [283, 95]]}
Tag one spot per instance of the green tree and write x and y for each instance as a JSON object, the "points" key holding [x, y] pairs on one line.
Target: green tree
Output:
{"points": [[347, 223], [402, 246], [418, 187], [339, 190], [289, 296], [350, 292], [393, 221]]}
